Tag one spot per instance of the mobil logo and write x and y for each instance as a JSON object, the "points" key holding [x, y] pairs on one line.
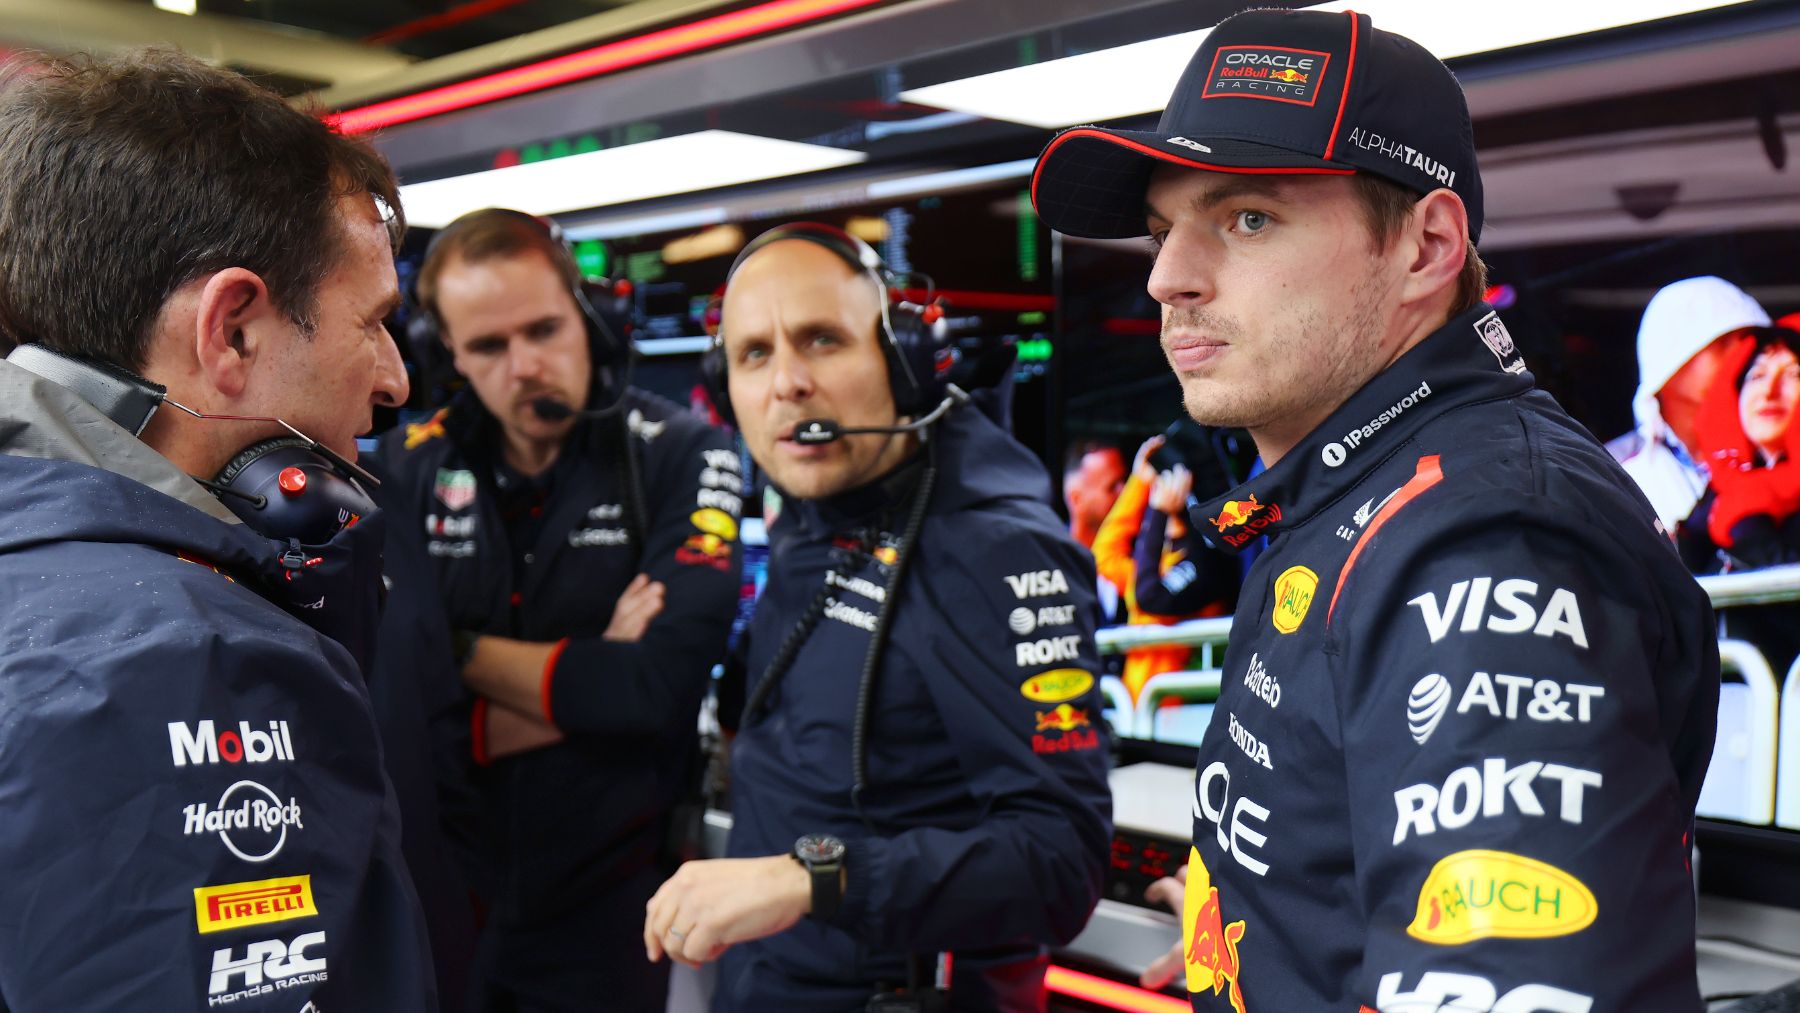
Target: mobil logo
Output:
{"points": [[204, 743]]}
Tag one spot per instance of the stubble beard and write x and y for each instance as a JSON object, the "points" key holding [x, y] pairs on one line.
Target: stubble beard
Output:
{"points": [[1301, 366]]}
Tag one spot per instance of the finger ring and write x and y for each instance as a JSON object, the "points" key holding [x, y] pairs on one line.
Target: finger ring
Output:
{"points": [[677, 933]]}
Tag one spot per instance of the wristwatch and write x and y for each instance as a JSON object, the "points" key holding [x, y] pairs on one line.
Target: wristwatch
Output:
{"points": [[823, 857]]}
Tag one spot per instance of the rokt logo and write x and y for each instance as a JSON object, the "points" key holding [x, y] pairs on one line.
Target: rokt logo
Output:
{"points": [[201, 744], [1486, 791]]}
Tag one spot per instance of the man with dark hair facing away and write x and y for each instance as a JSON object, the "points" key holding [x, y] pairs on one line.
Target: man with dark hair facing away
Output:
{"points": [[193, 810]]}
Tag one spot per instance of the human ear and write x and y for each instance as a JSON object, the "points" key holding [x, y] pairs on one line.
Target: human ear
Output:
{"points": [[231, 320], [1435, 243]]}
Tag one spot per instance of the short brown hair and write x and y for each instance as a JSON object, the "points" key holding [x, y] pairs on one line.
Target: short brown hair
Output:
{"points": [[489, 234], [1388, 206], [127, 177]]}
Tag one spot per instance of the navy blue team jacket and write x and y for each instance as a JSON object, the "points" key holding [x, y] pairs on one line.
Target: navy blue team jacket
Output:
{"points": [[988, 813], [193, 813], [576, 830], [1468, 703]]}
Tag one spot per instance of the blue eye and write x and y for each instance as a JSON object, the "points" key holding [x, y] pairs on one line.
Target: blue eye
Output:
{"points": [[1252, 222]]}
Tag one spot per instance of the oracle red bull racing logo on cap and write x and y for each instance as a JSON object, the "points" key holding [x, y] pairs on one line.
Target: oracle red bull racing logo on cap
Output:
{"points": [[1267, 72], [1209, 945]]}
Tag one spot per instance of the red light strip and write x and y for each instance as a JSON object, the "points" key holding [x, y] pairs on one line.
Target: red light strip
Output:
{"points": [[1112, 994], [1007, 302], [613, 56]]}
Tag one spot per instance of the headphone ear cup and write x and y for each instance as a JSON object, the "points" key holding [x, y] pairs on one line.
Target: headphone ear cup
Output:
{"points": [[611, 354], [713, 375], [919, 360]]}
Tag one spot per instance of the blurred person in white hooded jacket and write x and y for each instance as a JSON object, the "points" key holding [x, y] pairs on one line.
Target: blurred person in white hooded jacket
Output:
{"points": [[1680, 345]]}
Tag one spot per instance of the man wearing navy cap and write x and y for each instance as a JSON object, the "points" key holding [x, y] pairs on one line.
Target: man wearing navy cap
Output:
{"points": [[1470, 694]]}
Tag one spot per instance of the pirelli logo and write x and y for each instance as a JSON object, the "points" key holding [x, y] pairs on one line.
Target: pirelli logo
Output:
{"points": [[235, 905]]}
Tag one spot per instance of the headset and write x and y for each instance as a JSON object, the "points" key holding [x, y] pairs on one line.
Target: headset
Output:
{"points": [[610, 356], [286, 487], [915, 340]]}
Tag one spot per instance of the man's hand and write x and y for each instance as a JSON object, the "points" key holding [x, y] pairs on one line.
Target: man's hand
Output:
{"points": [[1170, 493], [511, 672], [1170, 890], [641, 602], [1140, 465], [709, 906]]}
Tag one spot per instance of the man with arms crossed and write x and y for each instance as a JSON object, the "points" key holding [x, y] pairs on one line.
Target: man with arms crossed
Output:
{"points": [[589, 563], [192, 806], [1470, 693]]}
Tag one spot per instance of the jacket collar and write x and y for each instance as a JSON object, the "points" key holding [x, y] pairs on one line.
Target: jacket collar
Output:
{"points": [[1470, 359]]}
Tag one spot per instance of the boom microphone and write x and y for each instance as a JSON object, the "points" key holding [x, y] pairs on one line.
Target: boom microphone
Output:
{"points": [[813, 432]]}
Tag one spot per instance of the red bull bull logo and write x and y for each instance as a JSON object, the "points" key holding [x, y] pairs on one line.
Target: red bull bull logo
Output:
{"points": [[430, 429], [1209, 944], [705, 549], [1063, 718], [1248, 516], [1290, 76], [1236, 512]]}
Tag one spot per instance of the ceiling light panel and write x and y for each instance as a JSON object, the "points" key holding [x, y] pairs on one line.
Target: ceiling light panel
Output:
{"points": [[659, 168]]}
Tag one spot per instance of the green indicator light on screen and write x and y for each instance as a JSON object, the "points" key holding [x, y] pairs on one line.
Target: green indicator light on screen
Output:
{"points": [[592, 258], [560, 148], [531, 153], [1035, 350], [1033, 318], [586, 143]]}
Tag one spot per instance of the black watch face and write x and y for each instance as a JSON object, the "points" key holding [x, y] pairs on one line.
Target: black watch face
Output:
{"points": [[818, 849]]}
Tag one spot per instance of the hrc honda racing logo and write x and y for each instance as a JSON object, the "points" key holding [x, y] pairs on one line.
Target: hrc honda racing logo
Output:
{"points": [[1448, 992], [250, 819], [266, 967], [204, 744]]}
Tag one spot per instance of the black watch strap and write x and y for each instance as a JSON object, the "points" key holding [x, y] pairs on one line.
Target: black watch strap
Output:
{"points": [[823, 858]]}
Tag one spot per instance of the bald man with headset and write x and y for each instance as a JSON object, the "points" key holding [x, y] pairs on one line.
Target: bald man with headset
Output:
{"points": [[920, 769]]}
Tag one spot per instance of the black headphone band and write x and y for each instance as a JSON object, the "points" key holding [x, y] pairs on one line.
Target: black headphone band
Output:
{"points": [[610, 355], [910, 388], [253, 453]]}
